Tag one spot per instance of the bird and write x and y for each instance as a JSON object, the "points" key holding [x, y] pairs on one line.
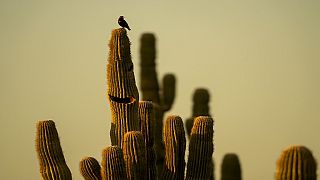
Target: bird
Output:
{"points": [[123, 23]]}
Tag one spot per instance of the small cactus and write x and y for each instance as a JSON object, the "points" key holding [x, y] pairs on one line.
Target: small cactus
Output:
{"points": [[113, 166], [230, 169], [134, 155], [122, 91], [90, 168], [201, 147], [52, 163], [175, 146], [296, 162]]}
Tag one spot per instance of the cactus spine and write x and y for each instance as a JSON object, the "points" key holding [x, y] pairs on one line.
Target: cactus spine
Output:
{"points": [[134, 155], [122, 92], [90, 168], [52, 163], [200, 149], [113, 166], [230, 169], [175, 146], [296, 162], [151, 91]]}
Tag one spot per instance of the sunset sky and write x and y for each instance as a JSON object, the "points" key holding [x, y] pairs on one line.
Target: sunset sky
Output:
{"points": [[260, 60]]}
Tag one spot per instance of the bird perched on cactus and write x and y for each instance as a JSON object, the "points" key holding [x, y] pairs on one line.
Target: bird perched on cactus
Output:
{"points": [[123, 23]]}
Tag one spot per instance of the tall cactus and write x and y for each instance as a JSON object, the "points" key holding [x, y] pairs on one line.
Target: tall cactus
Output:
{"points": [[90, 168], [296, 162], [151, 91], [134, 155], [201, 147], [122, 92], [146, 116], [52, 163], [230, 168], [113, 166], [175, 146]]}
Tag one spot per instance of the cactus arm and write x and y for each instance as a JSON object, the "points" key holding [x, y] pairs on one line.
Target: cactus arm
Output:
{"points": [[168, 91], [231, 168], [113, 166], [90, 168]]}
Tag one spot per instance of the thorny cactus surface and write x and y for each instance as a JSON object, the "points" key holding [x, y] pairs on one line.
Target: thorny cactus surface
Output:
{"points": [[52, 163], [230, 168], [146, 115], [134, 155], [175, 146], [296, 162], [151, 91], [200, 149], [113, 166], [90, 168], [122, 92]]}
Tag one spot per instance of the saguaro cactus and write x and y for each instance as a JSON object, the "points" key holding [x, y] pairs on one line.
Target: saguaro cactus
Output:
{"points": [[90, 168], [122, 92], [175, 146], [113, 166], [230, 169], [134, 155], [52, 163], [200, 149], [151, 91], [296, 162]]}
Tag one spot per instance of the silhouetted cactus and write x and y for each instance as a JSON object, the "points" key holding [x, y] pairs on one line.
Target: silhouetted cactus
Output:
{"points": [[151, 91], [296, 162], [122, 92], [146, 116], [52, 163], [200, 149], [230, 168], [90, 168], [134, 155], [113, 166], [175, 146]]}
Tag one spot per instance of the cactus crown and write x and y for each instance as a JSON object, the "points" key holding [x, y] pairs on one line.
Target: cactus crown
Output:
{"points": [[90, 168], [231, 168]]}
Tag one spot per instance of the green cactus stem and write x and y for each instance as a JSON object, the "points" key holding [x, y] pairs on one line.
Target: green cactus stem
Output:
{"points": [[230, 168], [90, 168], [52, 163], [113, 166], [134, 155], [151, 91], [175, 146], [296, 162], [200, 149], [122, 91], [146, 116]]}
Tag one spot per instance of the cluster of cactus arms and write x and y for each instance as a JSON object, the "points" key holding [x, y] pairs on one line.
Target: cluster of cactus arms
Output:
{"points": [[296, 162], [230, 168], [162, 97]]}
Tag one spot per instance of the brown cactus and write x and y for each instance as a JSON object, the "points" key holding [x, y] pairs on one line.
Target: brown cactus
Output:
{"points": [[231, 168], [113, 166], [200, 149], [52, 163], [122, 90], [296, 162], [175, 146], [90, 168]]}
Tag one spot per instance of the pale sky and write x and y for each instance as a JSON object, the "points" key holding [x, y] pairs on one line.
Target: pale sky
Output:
{"points": [[258, 58]]}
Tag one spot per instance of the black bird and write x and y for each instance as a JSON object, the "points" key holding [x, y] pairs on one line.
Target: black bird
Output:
{"points": [[123, 23]]}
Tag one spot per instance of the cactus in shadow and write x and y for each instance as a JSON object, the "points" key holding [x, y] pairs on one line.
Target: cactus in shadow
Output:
{"points": [[52, 162], [113, 166], [175, 146], [134, 155], [201, 148], [90, 168], [146, 116], [230, 168], [296, 162], [122, 91], [151, 91]]}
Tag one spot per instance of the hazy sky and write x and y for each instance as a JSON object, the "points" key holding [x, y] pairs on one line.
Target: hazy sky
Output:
{"points": [[258, 58]]}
